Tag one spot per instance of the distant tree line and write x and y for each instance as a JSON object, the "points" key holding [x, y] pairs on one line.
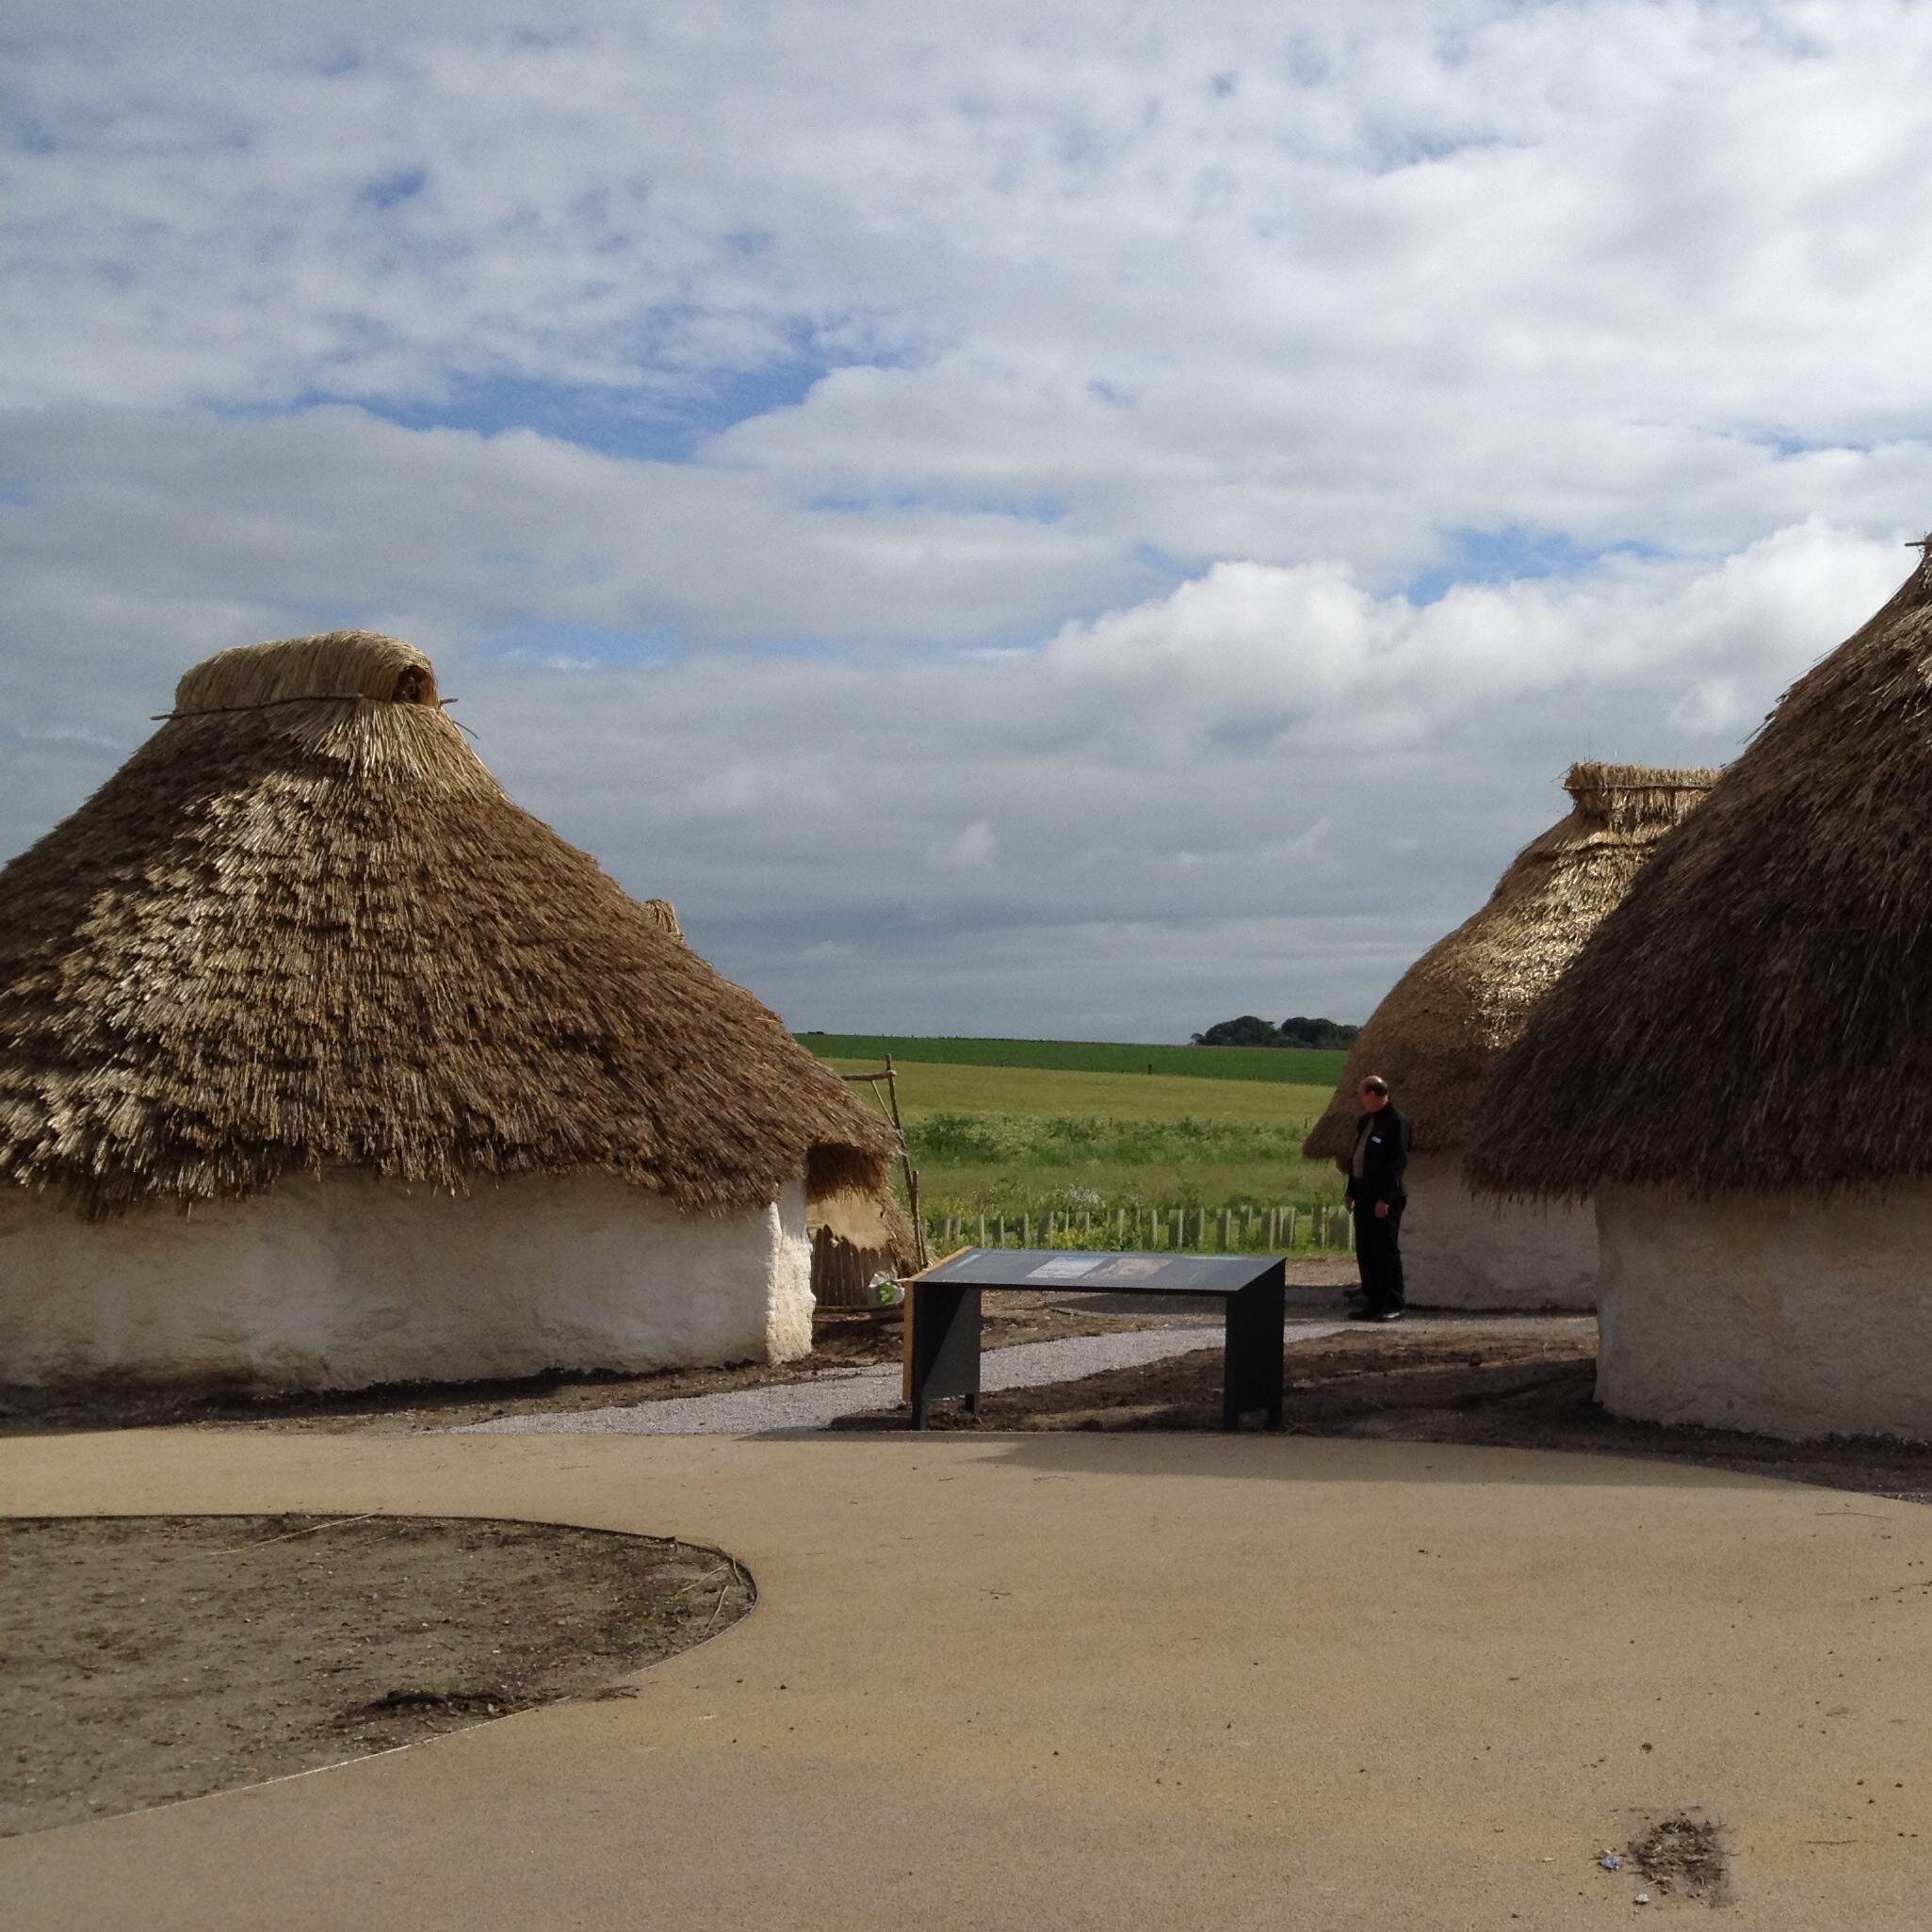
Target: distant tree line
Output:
{"points": [[1249, 1031]]}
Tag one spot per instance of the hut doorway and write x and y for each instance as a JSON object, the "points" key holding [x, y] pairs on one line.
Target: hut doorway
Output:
{"points": [[856, 1239]]}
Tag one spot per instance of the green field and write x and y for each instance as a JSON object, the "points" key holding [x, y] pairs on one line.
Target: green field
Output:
{"points": [[1020, 1144], [926, 1088], [1285, 1066]]}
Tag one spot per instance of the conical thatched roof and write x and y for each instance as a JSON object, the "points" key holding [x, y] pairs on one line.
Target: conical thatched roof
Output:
{"points": [[1757, 1015], [303, 927], [1442, 1031]]}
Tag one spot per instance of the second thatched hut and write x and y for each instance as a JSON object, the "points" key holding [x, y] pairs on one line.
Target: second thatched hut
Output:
{"points": [[1442, 1031], [1738, 1069], [323, 1064]]}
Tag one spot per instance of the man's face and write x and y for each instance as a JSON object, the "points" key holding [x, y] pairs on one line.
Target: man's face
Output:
{"points": [[1373, 1102]]}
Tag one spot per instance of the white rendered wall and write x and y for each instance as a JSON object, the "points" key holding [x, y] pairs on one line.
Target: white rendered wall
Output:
{"points": [[1459, 1251], [343, 1281], [1786, 1318]]}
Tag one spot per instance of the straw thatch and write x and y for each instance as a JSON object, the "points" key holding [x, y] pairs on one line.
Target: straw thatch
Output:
{"points": [[855, 1237], [1757, 1015], [1442, 1031], [304, 927]]}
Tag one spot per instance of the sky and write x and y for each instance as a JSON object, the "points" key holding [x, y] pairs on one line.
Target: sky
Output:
{"points": [[1068, 522]]}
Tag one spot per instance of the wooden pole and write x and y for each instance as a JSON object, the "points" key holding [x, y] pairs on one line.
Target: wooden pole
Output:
{"points": [[912, 1173]]}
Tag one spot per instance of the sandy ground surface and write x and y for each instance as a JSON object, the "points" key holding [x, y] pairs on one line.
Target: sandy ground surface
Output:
{"points": [[146, 1659], [1089, 1680]]}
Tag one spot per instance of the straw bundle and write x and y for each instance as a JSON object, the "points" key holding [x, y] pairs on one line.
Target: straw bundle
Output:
{"points": [[1442, 1031], [855, 1237], [304, 928], [1757, 1016]]}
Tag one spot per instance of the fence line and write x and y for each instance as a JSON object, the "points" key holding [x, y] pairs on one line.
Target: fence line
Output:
{"points": [[1325, 1226]]}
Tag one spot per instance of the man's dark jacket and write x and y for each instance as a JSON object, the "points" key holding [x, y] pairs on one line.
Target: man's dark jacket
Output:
{"points": [[1384, 1158]]}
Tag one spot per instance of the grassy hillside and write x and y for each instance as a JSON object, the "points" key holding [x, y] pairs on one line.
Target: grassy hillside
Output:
{"points": [[1284, 1066]]}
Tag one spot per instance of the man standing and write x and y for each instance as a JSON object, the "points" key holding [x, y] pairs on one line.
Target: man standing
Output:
{"points": [[1376, 1197]]}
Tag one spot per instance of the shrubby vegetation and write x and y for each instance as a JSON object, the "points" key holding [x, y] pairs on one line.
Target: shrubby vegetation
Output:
{"points": [[1026, 1140], [1014, 1164], [1302, 1031]]}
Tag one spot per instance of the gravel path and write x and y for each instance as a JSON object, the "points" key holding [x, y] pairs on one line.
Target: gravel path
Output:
{"points": [[792, 1406]]}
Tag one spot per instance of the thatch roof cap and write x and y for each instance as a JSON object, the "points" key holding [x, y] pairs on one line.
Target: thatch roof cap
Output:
{"points": [[1440, 1034], [303, 927], [1757, 1016]]}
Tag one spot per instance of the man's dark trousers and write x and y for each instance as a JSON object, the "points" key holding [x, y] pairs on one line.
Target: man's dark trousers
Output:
{"points": [[1378, 1255]]}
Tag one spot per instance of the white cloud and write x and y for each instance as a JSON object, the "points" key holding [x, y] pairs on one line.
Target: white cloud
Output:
{"points": [[1211, 405], [1107, 830], [971, 851]]}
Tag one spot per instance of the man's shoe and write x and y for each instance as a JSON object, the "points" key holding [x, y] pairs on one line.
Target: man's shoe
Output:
{"points": [[1381, 1314], [1364, 1315]]}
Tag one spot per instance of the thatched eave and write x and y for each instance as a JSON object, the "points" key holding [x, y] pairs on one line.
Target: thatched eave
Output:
{"points": [[1753, 1018]]}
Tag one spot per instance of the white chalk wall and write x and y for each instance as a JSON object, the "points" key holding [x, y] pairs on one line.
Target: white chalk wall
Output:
{"points": [[1790, 1320], [1459, 1251], [342, 1281]]}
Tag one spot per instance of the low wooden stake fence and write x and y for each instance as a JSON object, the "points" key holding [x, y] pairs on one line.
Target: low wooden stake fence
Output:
{"points": [[1198, 1230]]}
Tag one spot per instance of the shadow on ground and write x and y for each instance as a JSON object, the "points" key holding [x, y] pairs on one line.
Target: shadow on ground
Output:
{"points": [[1516, 1384]]}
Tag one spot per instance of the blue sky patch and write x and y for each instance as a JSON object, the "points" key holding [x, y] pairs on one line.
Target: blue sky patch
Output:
{"points": [[1510, 556], [390, 190], [646, 425]]}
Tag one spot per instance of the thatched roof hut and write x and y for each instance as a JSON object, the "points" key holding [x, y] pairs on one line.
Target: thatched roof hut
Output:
{"points": [[1737, 1063], [302, 939], [1444, 1029]]}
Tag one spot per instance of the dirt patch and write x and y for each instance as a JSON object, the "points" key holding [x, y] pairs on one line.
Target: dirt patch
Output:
{"points": [[1523, 1383], [144, 1659], [1683, 1857], [839, 1341]]}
